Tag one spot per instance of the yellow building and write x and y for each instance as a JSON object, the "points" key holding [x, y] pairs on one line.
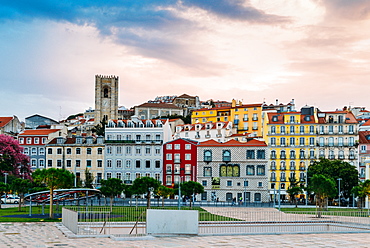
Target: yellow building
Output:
{"points": [[245, 117], [291, 137]]}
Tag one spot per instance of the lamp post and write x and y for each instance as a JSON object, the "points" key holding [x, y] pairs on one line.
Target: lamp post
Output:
{"points": [[339, 191], [306, 185], [5, 180], [245, 191]]}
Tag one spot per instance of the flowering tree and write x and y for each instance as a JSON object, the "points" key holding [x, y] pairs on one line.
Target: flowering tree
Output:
{"points": [[12, 159]]}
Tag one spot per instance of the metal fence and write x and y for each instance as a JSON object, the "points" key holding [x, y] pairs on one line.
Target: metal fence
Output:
{"points": [[128, 221]]}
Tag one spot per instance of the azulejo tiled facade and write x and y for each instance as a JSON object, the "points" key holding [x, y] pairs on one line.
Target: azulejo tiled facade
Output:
{"points": [[233, 170]]}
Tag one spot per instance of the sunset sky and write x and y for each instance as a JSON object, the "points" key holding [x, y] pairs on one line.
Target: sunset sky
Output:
{"points": [[314, 51]]}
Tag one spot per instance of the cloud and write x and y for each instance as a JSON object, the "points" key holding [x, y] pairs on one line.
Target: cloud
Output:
{"points": [[347, 9]]}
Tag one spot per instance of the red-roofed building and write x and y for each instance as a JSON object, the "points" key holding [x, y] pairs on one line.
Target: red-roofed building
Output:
{"points": [[179, 161], [234, 170], [364, 155], [10, 126], [34, 140]]}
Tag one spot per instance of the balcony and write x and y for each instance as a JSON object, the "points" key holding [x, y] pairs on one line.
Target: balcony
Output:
{"points": [[282, 157], [282, 167], [255, 118], [273, 157], [292, 167], [254, 128], [302, 157], [283, 179], [273, 179], [245, 119], [273, 167], [292, 156]]}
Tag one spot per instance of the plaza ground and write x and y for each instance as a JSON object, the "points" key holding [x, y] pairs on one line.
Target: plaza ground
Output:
{"points": [[48, 235]]}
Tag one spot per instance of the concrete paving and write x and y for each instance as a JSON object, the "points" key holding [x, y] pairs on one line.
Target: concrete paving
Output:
{"points": [[48, 235]]}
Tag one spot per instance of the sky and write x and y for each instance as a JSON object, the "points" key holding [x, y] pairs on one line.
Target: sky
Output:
{"points": [[314, 51]]}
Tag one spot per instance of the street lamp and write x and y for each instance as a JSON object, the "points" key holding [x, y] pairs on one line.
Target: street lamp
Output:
{"points": [[339, 191], [5, 175]]}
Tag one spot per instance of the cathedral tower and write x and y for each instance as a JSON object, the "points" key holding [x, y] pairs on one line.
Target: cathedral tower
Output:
{"points": [[106, 98]]}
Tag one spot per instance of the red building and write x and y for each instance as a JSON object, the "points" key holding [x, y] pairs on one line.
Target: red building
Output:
{"points": [[179, 161]]}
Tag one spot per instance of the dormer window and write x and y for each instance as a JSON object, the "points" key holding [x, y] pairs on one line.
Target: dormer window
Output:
{"points": [[307, 118], [275, 118]]}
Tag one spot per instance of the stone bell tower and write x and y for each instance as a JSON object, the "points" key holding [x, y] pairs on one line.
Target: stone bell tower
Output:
{"points": [[106, 98]]}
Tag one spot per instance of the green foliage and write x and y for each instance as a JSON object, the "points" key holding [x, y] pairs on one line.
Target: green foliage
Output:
{"points": [[164, 192], [293, 192], [145, 185], [191, 188], [335, 169], [53, 179], [361, 191], [21, 187], [323, 187], [89, 179], [99, 129], [111, 188]]}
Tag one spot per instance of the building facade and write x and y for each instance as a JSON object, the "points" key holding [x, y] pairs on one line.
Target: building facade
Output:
{"points": [[10, 126], [154, 110], [179, 162], [233, 170], [134, 148], [76, 155]]}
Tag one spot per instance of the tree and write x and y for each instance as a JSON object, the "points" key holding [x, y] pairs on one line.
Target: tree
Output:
{"points": [[3, 189], [145, 185], [21, 187], [99, 129], [111, 188], [293, 192], [12, 159], [336, 169], [323, 187], [361, 191], [164, 192], [89, 179], [191, 188], [53, 179]]}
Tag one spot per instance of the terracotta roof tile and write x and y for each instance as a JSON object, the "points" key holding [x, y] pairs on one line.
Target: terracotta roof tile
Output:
{"points": [[38, 132], [5, 120]]}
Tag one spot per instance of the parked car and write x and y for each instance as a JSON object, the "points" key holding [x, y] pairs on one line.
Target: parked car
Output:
{"points": [[10, 199]]}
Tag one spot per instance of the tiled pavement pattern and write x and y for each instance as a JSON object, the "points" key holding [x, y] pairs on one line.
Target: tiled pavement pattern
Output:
{"points": [[48, 235]]}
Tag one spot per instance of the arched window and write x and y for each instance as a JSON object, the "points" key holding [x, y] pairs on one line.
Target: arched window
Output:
{"points": [[207, 156], [226, 156], [106, 92]]}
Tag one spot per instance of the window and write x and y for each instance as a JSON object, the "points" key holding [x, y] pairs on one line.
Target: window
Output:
{"points": [[301, 141], [59, 151], [207, 172], [188, 156], [350, 129], [177, 146], [257, 197], [119, 175], [59, 163], [187, 146], [229, 183], [34, 151], [157, 164], [301, 129], [109, 175], [282, 141], [260, 170], [282, 129], [292, 118], [207, 156], [29, 140], [246, 183], [138, 150], [99, 163], [88, 151], [273, 141], [50, 163], [119, 163], [37, 140], [292, 141], [291, 128], [273, 129], [312, 141], [169, 146], [351, 141], [147, 164], [128, 149], [147, 150], [168, 156], [21, 140], [69, 151], [109, 163], [138, 137], [312, 129], [41, 163], [229, 171], [226, 156], [157, 150], [273, 155], [119, 150], [292, 154], [260, 184], [204, 183], [321, 141], [250, 170], [88, 163], [282, 154], [128, 163], [100, 151], [168, 180], [250, 154], [78, 150], [261, 154], [33, 162], [69, 163], [340, 129], [137, 162]]}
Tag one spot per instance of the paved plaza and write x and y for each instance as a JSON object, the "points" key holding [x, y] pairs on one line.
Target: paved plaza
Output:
{"points": [[48, 235]]}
